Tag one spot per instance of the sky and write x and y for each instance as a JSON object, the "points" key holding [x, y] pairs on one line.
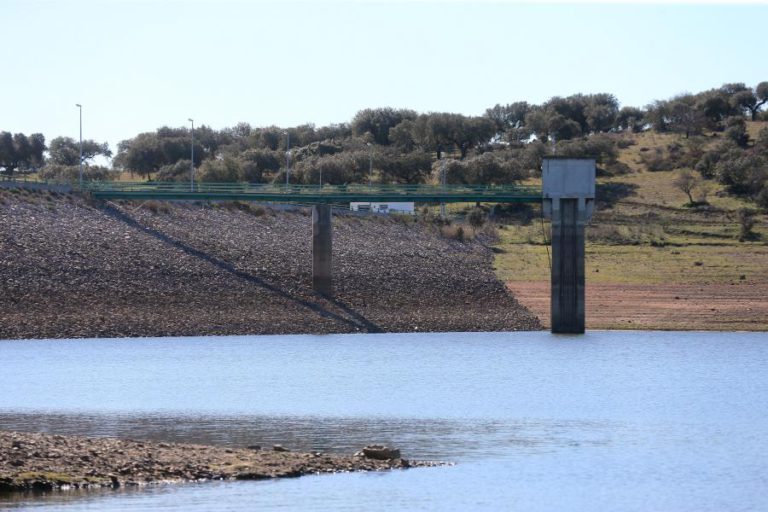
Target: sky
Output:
{"points": [[136, 65]]}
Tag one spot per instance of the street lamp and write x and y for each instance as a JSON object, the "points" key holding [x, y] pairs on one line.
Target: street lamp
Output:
{"points": [[192, 156], [80, 107], [287, 156], [443, 181], [370, 164]]}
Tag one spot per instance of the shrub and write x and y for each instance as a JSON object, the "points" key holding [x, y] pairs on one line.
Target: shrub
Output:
{"points": [[458, 232], [157, 207], [736, 130], [742, 172], [476, 218], [348, 167], [601, 147], [180, 171], [408, 168], [71, 173], [625, 143], [746, 224], [264, 160], [486, 169], [656, 161], [762, 198], [226, 170]]}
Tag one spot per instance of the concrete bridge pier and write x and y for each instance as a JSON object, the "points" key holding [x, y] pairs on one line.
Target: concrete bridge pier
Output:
{"points": [[569, 194], [322, 244]]}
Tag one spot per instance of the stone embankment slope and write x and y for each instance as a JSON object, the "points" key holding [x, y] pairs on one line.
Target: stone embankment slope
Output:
{"points": [[70, 268], [40, 462]]}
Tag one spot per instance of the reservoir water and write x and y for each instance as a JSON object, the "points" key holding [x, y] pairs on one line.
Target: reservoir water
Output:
{"points": [[631, 421]]}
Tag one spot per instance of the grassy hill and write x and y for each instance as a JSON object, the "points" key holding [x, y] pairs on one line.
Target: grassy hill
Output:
{"points": [[642, 236]]}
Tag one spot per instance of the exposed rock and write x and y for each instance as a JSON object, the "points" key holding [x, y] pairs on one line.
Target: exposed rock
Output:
{"points": [[125, 463], [381, 452]]}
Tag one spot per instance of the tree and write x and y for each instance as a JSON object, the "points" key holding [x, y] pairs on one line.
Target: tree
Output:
{"points": [[334, 132], [744, 101], [684, 117], [269, 138], [687, 182], [715, 106], [562, 128], [657, 115], [630, 119], [379, 121], [402, 136], [439, 130], [736, 130], [224, 170], [761, 98], [601, 111], [506, 117], [17, 151], [410, 168], [148, 152], [66, 151]]}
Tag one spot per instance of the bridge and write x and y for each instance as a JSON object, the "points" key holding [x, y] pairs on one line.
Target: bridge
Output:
{"points": [[567, 198], [314, 194]]}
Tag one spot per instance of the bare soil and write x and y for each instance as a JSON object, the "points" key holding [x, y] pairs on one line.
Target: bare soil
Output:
{"points": [[742, 306]]}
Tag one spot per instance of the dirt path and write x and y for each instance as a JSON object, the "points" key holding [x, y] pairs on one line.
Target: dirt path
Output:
{"points": [[673, 307]]}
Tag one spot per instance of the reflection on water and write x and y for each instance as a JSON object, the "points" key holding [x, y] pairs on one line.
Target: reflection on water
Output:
{"points": [[630, 421], [429, 439]]}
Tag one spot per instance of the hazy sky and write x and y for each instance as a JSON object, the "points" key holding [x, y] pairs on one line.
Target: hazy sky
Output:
{"points": [[138, 65]]}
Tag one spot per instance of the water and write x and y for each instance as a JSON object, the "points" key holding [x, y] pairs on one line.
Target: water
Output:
{"points": [[535, 422]]}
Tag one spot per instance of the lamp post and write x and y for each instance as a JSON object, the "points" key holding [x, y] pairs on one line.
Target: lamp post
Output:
{"points": [[192, 156], [443, 181], [80, 107], [287, 157], [370, 164]]}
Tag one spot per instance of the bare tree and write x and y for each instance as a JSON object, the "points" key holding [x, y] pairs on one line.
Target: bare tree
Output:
{"points": [[687, 182]]}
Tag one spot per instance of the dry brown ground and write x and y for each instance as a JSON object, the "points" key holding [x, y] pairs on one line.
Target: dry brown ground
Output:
{"points": [[660, 306]]}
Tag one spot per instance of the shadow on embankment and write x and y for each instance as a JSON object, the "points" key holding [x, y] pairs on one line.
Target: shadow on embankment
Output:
{"points": [[357, 320]]}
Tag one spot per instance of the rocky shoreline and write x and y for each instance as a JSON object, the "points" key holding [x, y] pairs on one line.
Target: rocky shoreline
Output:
{"points": [[45, 462], [73, 268]]}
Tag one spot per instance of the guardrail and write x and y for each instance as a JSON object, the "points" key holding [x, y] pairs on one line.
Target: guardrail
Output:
{"points": [[313, 193]]}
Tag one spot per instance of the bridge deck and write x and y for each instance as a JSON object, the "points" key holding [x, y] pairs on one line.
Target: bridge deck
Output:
{"points": [[314, 193]]}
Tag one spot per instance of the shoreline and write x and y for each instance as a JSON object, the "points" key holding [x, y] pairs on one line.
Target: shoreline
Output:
{"points": [[35, 462], [660, 307]]}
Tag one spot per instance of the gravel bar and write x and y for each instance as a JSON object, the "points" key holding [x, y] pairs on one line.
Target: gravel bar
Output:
{"points": [[45, 462]]}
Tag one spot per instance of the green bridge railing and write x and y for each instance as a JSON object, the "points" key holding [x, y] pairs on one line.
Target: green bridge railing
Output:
{"points": [[313, 193]]}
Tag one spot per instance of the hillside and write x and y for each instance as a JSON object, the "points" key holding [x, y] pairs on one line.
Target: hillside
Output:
{"points": [[653, 263]]}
